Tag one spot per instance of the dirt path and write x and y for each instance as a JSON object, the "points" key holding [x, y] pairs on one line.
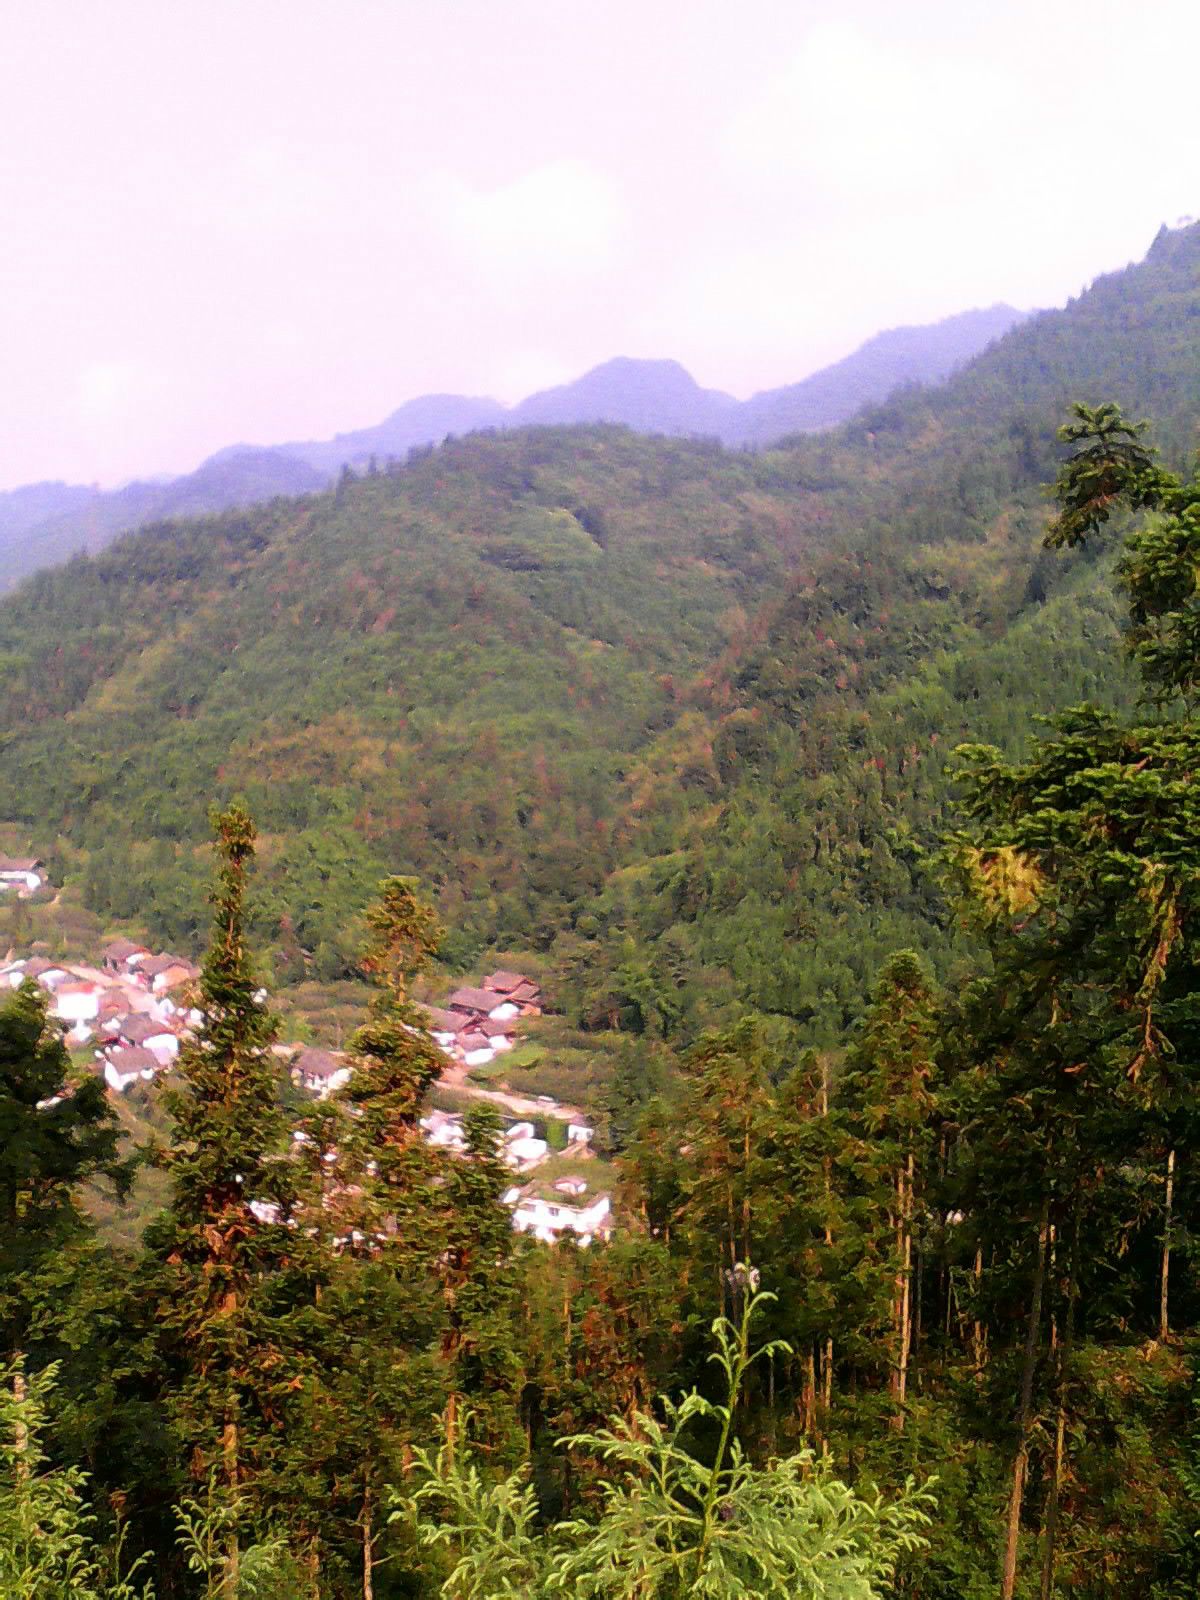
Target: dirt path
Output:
{"points": [[455, 1078]]}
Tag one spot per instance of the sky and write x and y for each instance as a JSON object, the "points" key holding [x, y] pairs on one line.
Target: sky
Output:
{"points": [[259, 220]]}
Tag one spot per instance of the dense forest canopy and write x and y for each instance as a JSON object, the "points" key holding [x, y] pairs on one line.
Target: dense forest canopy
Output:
{"points": [[330, 1369], [848, 791], [678, 717], [43, 523]]}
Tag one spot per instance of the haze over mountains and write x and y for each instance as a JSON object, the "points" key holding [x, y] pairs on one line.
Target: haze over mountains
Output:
{"points": [[43, 523]]}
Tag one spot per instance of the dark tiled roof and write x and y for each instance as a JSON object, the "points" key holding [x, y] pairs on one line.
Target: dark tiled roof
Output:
{"points": [[474, 1000], [137, 1027], [443, 1021], [133, 1058], [122, 949], [312, 1063], [504, 982]]}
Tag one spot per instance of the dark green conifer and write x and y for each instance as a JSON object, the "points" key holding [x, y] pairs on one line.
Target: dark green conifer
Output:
{"points": [[225, 1242], [57, 1132]]}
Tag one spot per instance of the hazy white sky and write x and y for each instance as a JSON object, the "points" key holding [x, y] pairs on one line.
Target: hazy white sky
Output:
{"points": [[266, 219]]}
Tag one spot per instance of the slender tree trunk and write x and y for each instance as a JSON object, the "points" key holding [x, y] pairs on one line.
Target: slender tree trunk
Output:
{"points": [[233, 1557], [904, 1191], [368, 1545], [827, 1165], [746, 1193], [21, 1430], [1164, 1321], [977, 1332], [451, 1426], [1012, 1531], [1062, 1366], [809, 1393]]}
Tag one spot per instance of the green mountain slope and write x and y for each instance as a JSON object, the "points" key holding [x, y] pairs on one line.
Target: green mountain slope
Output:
{"points": [[41, 524], [681, 716]]}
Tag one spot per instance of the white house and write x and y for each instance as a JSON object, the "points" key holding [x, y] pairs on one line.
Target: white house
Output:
{"points": [[77, 1002], [123, 1067], [443, 1129], [25, 877], [519, 1130], [48, 973], [579, 1133], [526, 1152], [548, 1220], [321, 1071]]}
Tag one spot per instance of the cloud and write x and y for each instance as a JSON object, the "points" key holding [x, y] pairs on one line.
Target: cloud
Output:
{"points": [[563, 219], [855, 120], [106, 390]]}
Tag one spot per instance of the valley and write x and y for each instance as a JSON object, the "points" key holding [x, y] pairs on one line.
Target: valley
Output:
{"points": [[622, 898]]}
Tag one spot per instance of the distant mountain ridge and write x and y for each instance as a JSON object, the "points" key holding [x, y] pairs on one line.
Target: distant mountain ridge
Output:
{"points": [[45, 523]]}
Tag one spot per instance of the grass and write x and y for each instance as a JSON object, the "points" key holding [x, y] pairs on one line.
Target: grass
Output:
{"points": [[142, 1120], [599, 1175], [490, 1074]]}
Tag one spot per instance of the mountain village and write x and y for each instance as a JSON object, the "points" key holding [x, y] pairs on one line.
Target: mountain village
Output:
{"points": [[134, 1011]]}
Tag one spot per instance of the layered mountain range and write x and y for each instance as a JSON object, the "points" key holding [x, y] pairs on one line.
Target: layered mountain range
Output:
{"points": [[680, 716], [47, 522]]}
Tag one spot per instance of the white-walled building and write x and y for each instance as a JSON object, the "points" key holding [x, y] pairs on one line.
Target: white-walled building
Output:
{"points": [[549, 1220]]}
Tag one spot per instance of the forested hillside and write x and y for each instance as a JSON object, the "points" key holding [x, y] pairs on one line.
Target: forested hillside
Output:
{"points": [[41, 524], [679, 716], [896, 984]]}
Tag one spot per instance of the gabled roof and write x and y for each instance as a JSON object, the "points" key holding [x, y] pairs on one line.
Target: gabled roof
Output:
{"points": [[442, 1021], [158, 965], [483, 1000], [504, 982], [22, 864], [133, 1058], [122, 949], [496, 1027], [526, 993], [37, 965], [313, 1063], [136, 1027]]}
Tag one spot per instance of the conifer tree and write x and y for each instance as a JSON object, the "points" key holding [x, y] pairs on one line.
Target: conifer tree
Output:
{"points": [[1083, 863], [57, 1132], [382, 1313], [225, 1243], [892, 1069], [476, 1276], [396, 1064]]}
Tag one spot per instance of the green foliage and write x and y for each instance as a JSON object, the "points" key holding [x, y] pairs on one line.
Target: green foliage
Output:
{"points": [[57, 1132], [49, 1549], [264, 1570], [220, 1267], [672, 1521]]}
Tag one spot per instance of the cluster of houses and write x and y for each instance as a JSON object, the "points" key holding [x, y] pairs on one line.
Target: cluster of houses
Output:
{"points": [[476, 1025], [133, 1008], [547, 1212], [519, 1148], [21, 876]]}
